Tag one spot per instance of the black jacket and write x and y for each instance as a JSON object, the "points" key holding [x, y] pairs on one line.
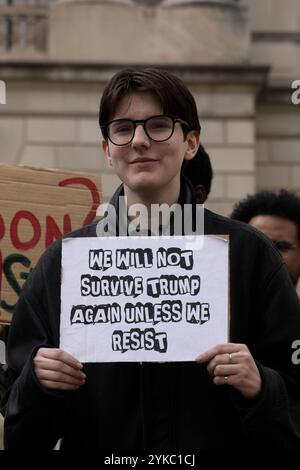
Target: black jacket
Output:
{"points": [[171, 405]]}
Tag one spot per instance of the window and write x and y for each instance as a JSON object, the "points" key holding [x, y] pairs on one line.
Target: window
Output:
{"points": [[21, 30]]}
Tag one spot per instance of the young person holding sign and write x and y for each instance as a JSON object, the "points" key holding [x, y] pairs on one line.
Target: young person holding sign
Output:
{"points": [[239, 394]]}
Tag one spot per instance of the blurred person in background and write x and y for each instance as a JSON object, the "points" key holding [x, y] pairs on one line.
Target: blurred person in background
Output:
{"points": [[277, 215], [200, 173]]}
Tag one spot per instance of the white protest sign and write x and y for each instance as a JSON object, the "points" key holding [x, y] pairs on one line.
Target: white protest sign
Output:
{"points": [[131, 299]]}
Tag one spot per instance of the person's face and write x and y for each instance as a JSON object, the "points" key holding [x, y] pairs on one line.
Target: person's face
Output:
{"points": [[148, 167], [280, 229]]}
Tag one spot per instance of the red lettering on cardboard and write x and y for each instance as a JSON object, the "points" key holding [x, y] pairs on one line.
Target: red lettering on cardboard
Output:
{"points": [[14, 234], [53, 231], [94, 192]]}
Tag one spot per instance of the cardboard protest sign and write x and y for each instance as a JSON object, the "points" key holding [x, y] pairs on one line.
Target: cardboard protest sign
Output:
{"points": [[133, 299], [38, 206]]}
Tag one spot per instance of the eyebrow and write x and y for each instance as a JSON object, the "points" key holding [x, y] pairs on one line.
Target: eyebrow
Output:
{"points": [[142, 119]]}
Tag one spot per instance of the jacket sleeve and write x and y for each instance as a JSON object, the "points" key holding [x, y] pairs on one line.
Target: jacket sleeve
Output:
{"points": [[273, 420], [34, 416]]}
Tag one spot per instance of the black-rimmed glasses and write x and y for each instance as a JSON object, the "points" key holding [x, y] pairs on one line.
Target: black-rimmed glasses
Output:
{"points": [[283, 245], [158, 128]]}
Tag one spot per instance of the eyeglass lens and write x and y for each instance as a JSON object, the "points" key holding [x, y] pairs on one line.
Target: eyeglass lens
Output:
{"points": [[283, 245]]}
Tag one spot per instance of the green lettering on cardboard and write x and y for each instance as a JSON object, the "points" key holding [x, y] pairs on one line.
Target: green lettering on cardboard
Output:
{"points": [[8, 263]]}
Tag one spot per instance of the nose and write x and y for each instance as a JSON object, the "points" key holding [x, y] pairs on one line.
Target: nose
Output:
{"points": [[140, 137]]}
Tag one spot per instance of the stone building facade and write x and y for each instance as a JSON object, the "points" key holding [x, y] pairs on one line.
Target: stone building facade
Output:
{"points": [[238, 57]]}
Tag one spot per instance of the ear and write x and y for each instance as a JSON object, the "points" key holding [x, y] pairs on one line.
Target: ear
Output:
{"points": [[193, 142], [105, 148]]}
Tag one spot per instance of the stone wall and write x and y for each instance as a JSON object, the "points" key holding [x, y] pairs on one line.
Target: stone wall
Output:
{"points": [[275, 40], [178, 35], [250, 128], [54, 124], [278, 148]]}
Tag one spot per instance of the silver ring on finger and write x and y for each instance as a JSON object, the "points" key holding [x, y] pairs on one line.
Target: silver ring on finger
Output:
{"points": [[226, 379], [230, 357]]}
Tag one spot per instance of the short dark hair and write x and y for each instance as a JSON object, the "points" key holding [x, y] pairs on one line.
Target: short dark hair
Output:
{"points": [[283, 203], [174, 96], [199, 169]]}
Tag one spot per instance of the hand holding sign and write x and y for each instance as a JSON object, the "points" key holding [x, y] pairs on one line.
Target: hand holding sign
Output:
{"points": [[234, 365], [58, 370]]}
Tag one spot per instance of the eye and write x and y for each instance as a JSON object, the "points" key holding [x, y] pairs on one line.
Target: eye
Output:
{"points": [[159, 123], [121, 127], [283, 246]]}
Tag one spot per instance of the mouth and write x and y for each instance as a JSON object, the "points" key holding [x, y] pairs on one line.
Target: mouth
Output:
{"points": [[143, 161]]}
